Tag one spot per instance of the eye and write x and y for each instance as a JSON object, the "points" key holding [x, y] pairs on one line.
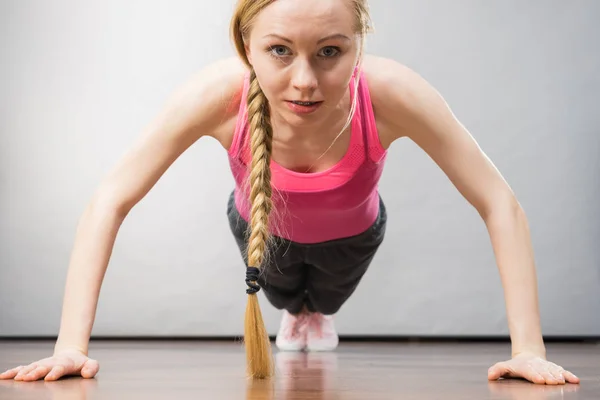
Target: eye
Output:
{"points": [[278, 51], [329, 52]]}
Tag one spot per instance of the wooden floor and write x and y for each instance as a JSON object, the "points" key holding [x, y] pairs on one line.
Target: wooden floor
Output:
{"points": [[181, 370]]}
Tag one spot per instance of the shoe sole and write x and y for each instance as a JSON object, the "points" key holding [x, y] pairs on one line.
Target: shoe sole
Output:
{"points": [[290, 347]]}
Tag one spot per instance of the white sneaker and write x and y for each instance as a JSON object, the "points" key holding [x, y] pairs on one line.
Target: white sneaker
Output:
{"points": [[292, 332], [321, 333]]}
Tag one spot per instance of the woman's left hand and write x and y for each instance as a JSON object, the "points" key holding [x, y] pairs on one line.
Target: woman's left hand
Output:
{"points": [[533, 368]]}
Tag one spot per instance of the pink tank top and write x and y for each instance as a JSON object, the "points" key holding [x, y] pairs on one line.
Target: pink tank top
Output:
{"points": [[340, 202]]}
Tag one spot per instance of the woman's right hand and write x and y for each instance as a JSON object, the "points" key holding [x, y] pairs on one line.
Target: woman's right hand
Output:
{"points": [[62, 363]]}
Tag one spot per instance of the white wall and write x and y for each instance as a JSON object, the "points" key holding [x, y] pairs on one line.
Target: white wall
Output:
{"points": [[80, 80]]}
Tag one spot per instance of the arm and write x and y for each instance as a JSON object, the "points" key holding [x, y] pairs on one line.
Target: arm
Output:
{"points": [[408, 106], [198, 108]]}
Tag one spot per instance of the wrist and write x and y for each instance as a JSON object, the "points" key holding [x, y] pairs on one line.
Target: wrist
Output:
{"points": [[532, 350], [527, 341], [59, 347]]}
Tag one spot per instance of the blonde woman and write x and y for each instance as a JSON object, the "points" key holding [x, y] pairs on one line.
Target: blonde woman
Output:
{"points": [[306, 120]]}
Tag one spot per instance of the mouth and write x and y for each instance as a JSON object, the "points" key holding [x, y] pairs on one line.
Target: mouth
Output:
{"points": [[304, 107], [305, 103]]}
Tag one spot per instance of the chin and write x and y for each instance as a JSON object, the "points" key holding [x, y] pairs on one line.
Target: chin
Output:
{"points": [[302, 119]]}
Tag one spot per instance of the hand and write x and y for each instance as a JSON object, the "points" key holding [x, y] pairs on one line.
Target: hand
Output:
{"points": [[533, 368], [65, 362]]}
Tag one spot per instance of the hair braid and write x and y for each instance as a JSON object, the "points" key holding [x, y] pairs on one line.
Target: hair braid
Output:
{"points": [[258, 346], [261, 138]]}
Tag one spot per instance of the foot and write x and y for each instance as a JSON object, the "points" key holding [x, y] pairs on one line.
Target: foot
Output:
{"points": [[321, 333], [292, 332]]}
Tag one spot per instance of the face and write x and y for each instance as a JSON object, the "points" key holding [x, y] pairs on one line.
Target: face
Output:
{"points": [[304, 51]]}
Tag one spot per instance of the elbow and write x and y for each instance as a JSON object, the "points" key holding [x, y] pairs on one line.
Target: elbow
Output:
{"points": [[105, 204], [502, 210]]}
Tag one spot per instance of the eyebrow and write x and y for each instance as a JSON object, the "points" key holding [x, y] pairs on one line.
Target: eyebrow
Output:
{"points": [[334, 36]]}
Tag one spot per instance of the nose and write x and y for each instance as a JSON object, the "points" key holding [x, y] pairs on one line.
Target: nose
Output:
{"points": [[304, 77]]}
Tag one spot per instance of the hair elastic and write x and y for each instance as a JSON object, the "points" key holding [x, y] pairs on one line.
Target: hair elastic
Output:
{"points": [[252, 276]]}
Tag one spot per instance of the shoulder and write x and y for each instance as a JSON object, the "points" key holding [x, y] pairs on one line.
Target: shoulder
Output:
{"points": [[209, 100], [227, 85], [402, 99]]}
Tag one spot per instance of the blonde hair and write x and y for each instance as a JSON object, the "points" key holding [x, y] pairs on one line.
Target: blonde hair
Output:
{"points": [[258, 347]]}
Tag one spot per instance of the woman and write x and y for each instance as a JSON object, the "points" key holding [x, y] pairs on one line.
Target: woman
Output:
{"points": [[306, 120]]}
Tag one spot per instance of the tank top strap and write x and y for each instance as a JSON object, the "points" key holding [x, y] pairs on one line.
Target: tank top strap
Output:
{"points": [[374, 150], [241, 126]]}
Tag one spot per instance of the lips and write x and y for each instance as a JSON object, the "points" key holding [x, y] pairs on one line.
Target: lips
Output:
{"points": [[305, 103], [304, 107]]}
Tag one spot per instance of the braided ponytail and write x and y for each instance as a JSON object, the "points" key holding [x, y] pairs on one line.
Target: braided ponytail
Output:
{"points": [[259, 358], [258, 346]]}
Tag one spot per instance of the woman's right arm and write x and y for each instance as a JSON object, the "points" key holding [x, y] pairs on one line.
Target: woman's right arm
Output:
{"points": [[200, 107]]}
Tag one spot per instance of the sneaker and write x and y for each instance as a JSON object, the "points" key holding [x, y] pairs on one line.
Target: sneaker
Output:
{"points": [[292, 332], [321, 333]]}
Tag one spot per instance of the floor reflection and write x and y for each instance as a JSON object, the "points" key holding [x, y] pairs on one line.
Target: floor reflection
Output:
{"points": [[523, 390], [299, 375], [69, 388]]}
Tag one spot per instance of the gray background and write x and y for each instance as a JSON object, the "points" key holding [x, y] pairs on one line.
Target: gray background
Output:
{"points": [[80, 80]]}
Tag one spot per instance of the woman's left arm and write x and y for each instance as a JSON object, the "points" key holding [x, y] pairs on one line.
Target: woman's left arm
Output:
{"points": [[408, 106]]}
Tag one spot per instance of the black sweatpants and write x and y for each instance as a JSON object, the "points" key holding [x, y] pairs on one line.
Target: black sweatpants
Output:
{"points": [[320, 276]]}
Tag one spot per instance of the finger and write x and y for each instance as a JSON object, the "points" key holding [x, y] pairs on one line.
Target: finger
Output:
{"points": [[567, 376], [25, 370], [557, 372], [543, 368], [55, 373], [90, 368], [534, 376], [11, 373], [497, 370], [570, 377], [548, 377], [37, 373]]}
